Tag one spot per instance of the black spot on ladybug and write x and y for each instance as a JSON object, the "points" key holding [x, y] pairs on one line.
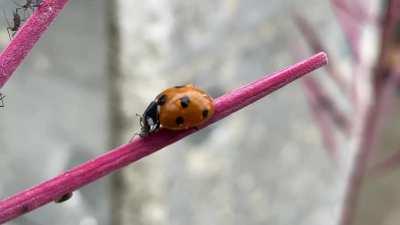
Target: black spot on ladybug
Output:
{"points": [[185, 101], [205, 113], [179, 120], [179, 86], [162, 99]]}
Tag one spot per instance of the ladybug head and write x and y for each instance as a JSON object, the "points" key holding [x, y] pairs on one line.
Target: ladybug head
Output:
{"points": [[149, 121]]}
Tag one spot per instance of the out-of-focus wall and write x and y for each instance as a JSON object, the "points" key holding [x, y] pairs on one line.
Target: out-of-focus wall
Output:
{"points": [[263, 165], [56, 115]]}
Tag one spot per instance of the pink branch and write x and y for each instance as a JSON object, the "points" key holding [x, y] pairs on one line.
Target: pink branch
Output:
{"points": [[326, 105], [321, 119], [382, 84], [315, 43], [369, 128], [350, 27], [27, 36], [366, 145], [355, 10], [389, 163], [92, 170]]}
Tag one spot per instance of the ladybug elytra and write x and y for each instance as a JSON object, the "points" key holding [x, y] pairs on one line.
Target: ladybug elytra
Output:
{"points": [[177, 108]]}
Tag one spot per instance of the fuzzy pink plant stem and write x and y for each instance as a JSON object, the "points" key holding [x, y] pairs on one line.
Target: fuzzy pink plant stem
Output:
{"points": [[382, 84], [385, 165], [322, 118], [314, 41], [121, 156], [365, 147], [27, 36], [326, 105], [350, 27]]}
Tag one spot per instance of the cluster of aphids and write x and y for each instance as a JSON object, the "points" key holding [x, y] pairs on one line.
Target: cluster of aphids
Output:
{"points": [[28, 7], [2, 100]]}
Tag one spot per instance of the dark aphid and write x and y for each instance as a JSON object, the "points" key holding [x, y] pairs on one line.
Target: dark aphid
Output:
{"points": [[29, 4], [2, 100], [63, 198], [12, 29]]}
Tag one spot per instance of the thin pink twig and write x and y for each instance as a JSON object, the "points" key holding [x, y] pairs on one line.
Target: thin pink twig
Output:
{"points": [[350, 27], [322, 120], [371, 120], [389, 163], [316, 45], [366, 144], [92, 170], [27, 36], [326, 105], [354, 10]]}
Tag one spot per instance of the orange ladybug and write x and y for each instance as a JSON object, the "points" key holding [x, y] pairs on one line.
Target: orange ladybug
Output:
{"points": [[177, 108]]}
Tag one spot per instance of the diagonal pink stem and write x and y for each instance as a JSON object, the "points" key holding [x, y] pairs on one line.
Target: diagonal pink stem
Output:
{"points": [[325, 104], [350, 27], [92, 170], [354, 10], [314, 41], [389, 163], [382, 84], [366, 144], [323, 123], [27, 36]]}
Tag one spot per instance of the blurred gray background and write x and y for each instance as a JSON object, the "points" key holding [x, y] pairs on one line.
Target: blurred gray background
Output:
{"points": [[76, 95]]}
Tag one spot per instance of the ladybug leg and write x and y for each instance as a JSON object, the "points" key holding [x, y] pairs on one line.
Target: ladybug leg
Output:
{"points": [[141, 124], [155, 127], [140, 119]]}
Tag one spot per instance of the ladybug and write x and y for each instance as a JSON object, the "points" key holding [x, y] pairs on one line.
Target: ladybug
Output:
{"points": [[177, 108]]}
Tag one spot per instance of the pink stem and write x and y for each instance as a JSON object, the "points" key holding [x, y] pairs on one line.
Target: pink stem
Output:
{"points": [[389, 163], [27, 36], [321, 118], [355, 10], [350, 27], [92, 170], [368, 137], [358, 170], [382, 84], [315, 43], [326, 105]]}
